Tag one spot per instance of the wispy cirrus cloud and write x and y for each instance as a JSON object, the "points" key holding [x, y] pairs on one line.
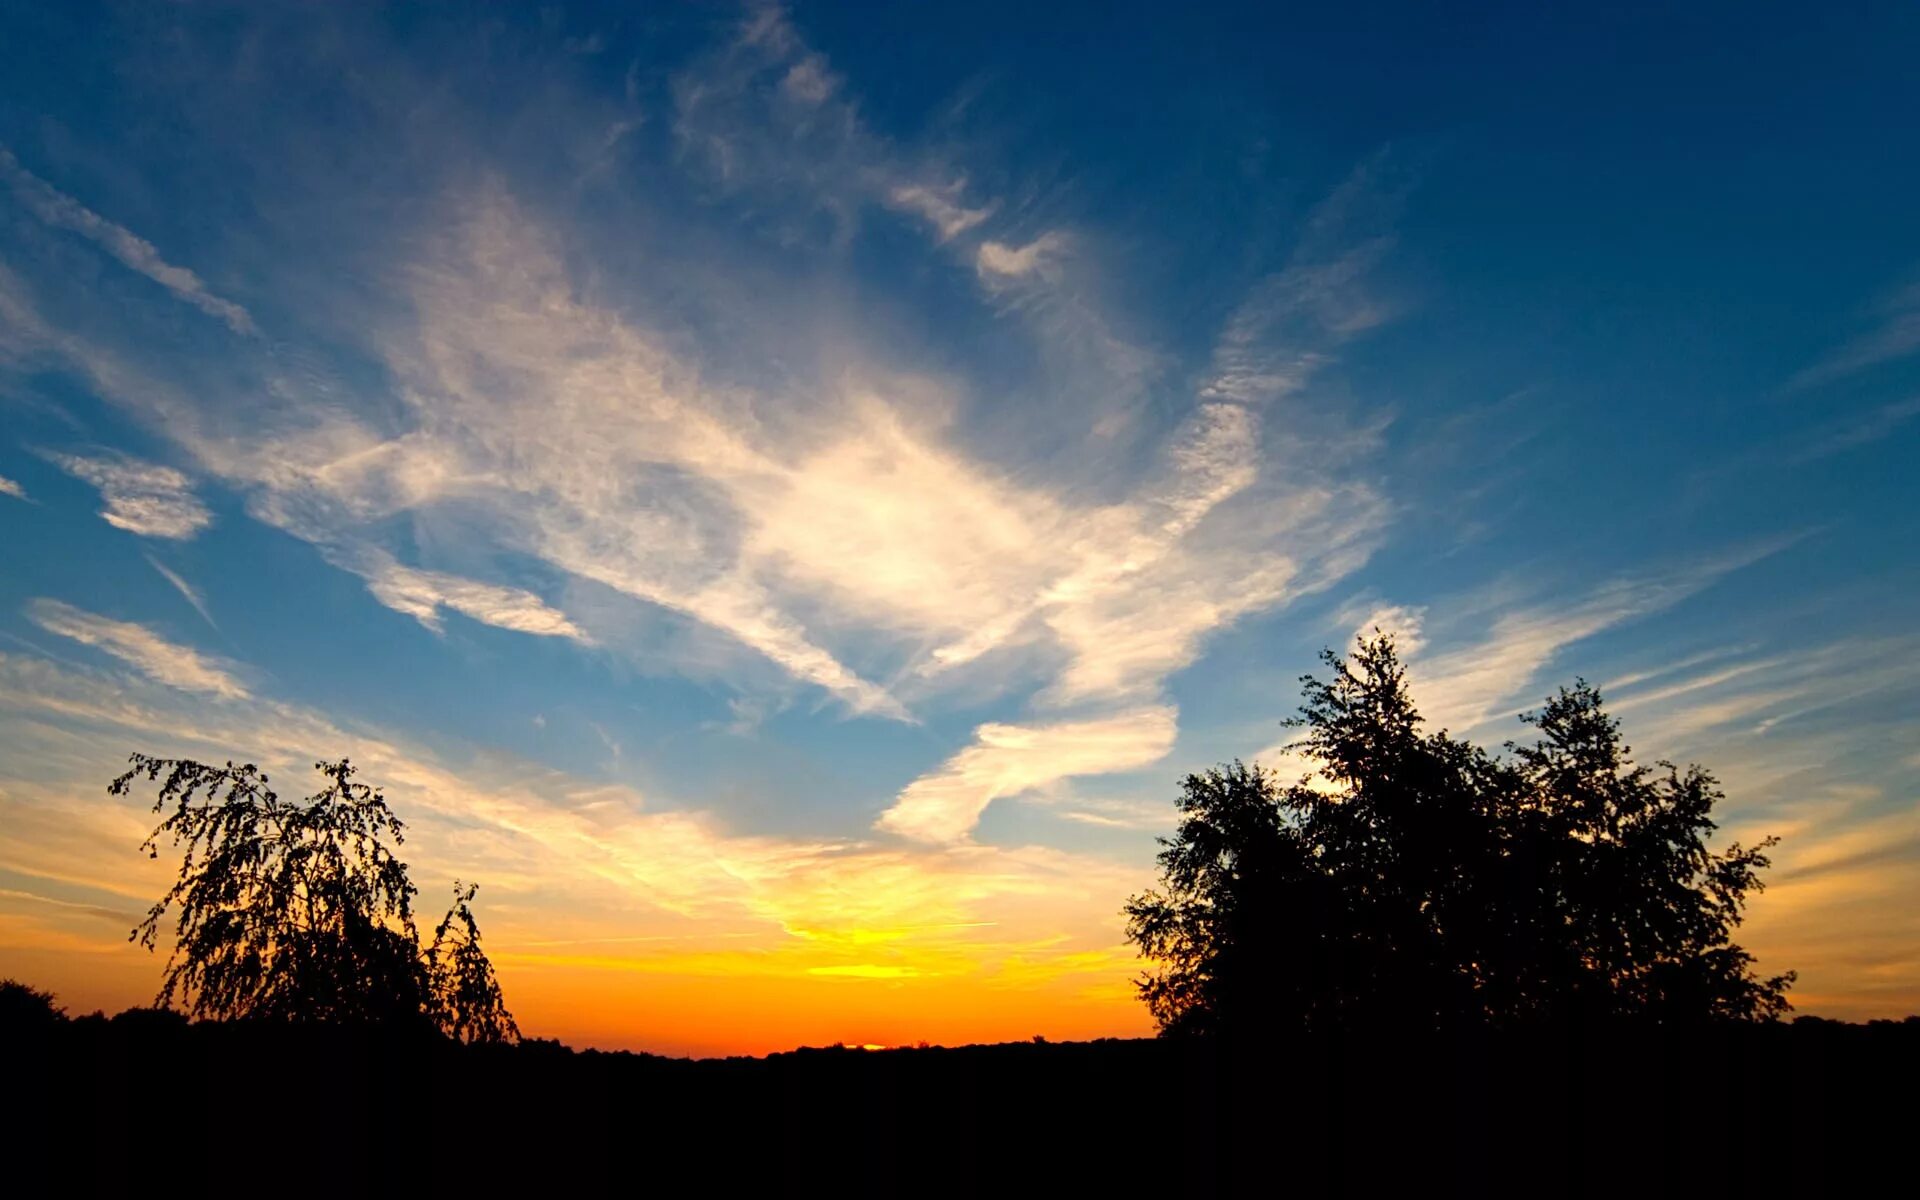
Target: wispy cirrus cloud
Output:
{"points": [[891, 538], [740, 121], [62, 211], [943, 205], [140, 497], [1008, 760], [575, 432], [157, 658], [1806, 743], [187, 591], [1861, 430], [765, 112], [9, 487], [423, 594], [1895, 336], [1464, 687], [1477, 682]]}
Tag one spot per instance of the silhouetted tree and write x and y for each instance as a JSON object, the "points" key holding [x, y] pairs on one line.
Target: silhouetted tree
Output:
{"points": [[301, 910], [26, 1009], [1641, 912], [1415, 881], [466, 993]]}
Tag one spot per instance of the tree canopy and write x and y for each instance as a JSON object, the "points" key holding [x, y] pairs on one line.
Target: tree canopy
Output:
{"points": [[1415, 881], [302, 910]]}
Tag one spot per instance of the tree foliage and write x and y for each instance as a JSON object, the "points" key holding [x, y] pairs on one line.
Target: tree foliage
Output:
{"points": [[302, 910], [1415, 881], [26, 1007], [465, 992]]}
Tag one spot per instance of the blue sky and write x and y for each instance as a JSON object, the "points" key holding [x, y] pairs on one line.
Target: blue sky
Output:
{"points": [[786, 492]]}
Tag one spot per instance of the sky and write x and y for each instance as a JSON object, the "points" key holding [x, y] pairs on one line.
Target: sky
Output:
{"points": [[780, 496]]}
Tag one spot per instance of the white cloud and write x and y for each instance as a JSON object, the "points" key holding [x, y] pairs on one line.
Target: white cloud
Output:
{"points": [[134, 252], [1404, 623], [187, 590], [1008, 760], [737, 118], [1290, 324], [1488, 679], [942, 206], [581, 440], [1480, 682], [859, 528], [163, 661], [422, 594], [1037, 257], [9, 488], [141, 497]]}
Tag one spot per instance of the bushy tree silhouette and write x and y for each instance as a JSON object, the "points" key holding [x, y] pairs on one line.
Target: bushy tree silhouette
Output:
{"points": [[301, 910], [1414, 881], [23, 1007]]}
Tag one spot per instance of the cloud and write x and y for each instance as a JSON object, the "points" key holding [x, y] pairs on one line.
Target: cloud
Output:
{"points": [[580, 438], [139, 647], [1484, 680], [1738, 693], [765, 113], [1477, 682], [820, 516], [1808, 743], [889, 537], [809, 81], [767, 118], [9, 488], [1864, 430], [1036, 257], [1404, 623], [1008, 760], [187, 590], [136, 253], [941, 205], [1896, 337], [1294, 320], [422, 594], [141, 497], [1469, 685]]}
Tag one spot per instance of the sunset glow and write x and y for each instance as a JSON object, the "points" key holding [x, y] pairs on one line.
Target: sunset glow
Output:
{"points": [[780, 497]]}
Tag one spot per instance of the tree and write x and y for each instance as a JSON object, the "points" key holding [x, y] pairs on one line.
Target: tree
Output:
{"points": [[27, 1009], [302, 911], [1414, 881], [1620, 852], [465, 992]]}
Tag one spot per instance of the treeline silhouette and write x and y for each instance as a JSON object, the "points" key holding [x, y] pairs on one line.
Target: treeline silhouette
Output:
{"points": [[253, 1107], [1424, 967]]}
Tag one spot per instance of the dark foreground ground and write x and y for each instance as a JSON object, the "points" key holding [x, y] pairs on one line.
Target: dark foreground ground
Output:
{"points": [[144, 1104]]}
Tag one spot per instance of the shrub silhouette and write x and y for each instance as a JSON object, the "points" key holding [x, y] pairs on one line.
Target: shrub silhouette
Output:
{"points": [[301, 911], [1413, 881], [24, 1007]]}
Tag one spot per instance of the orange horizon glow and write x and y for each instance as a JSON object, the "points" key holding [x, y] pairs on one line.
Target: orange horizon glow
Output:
{"points": [[732, 1002], [652, 1007]]}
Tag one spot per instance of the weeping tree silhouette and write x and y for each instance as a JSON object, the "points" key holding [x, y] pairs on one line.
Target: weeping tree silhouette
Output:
{"points": [[1415, 881], [301, 911]]}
